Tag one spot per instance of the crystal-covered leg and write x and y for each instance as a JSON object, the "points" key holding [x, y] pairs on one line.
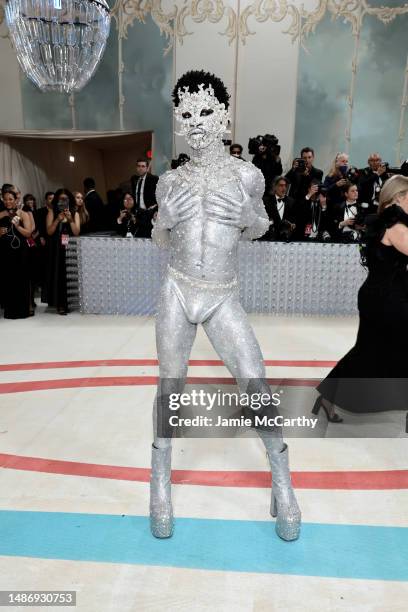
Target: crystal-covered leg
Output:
{"points": [[161, 511]]}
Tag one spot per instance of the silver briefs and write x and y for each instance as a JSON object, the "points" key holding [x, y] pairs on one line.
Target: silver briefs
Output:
{"points": [[199, 298]]}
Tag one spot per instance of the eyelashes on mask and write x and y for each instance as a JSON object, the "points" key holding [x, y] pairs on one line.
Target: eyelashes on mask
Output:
{"points": [[204, 113]]}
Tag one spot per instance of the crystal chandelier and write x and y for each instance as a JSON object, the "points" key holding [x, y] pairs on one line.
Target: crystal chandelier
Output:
{"points": [[59, 43]]}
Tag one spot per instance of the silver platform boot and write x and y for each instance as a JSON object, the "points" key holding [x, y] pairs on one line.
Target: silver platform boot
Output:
{"points": [[161, 511], [283, 501]]}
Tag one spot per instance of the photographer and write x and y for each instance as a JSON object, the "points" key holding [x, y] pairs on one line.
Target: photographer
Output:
{"points": [[236, 151], [62, 222], [303, 174], [347, 220], [266, 151], [372, 179], [339, 175], [313, 221], [281, 211], [127, 224], [16, 227]]}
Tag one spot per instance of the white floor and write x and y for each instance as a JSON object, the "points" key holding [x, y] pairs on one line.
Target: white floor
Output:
{"points": [[111, 426]]}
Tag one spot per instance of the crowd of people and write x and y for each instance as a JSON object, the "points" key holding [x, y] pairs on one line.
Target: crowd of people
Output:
{"points": [[33, 238], [304, 206], [301, 206]]}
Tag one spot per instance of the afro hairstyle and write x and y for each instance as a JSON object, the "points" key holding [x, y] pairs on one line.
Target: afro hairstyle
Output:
{"points": [[194, 78]]}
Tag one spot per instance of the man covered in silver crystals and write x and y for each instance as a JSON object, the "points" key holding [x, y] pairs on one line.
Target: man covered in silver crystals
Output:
{"points": [[205, 207]]}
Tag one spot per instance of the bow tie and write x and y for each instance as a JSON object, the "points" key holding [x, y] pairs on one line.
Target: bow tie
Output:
{"points": [[280, 200]]}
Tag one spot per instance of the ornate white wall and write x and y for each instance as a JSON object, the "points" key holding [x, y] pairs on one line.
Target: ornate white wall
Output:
{"points": [[307, 70], [257, 61]]}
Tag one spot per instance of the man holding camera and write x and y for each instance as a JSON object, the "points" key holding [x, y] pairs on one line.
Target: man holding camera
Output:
{"points": [[266, 152], [303, 174], [372, 179], [313, 221]]}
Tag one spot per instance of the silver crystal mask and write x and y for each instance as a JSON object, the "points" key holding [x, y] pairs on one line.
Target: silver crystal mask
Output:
{"points": [[201, 117]]}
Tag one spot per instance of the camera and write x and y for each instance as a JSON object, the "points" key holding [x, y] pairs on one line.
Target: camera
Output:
{"points": [[62, 206], [361, 215], [321, 189], [270, 141], [129, 215], [180, 161], [352, 174], [301, 164], [403, 169]]}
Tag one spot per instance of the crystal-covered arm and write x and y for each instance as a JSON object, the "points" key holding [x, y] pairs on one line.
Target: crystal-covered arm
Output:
{"points": [[255, 184], [160, 233]]}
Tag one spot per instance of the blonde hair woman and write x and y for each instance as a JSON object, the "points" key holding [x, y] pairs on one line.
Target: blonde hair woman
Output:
{"points": [[81, 209], [373, 376], [336, 179]]}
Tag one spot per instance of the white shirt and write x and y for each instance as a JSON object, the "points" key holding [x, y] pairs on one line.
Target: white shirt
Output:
{"points": [[349, 213], [280, 204]]}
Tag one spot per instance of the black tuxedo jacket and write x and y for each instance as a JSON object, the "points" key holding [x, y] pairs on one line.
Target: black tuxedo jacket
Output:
{"points": [[300, 183], [309, 211], [278, 224], [40, 218], [96, 209], [336, 216], [366, 188], [149, 192]]}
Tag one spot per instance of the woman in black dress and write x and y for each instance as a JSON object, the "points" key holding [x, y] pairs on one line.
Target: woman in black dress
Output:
{"points": [[82, 210], [30, 207], [15, 228], [373, 376], [62, 223]]}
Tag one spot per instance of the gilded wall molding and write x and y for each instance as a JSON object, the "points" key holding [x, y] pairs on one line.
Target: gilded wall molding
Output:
{"points": [[200, 11], [354, 12], [172, 23], [265, 10], [302, 22]]}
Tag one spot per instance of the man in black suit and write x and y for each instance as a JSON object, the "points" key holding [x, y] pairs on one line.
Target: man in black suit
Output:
{"points": [[303, 174], [281, 210], [313, 222], [94, 205], [143, 185], [371, 181]]}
